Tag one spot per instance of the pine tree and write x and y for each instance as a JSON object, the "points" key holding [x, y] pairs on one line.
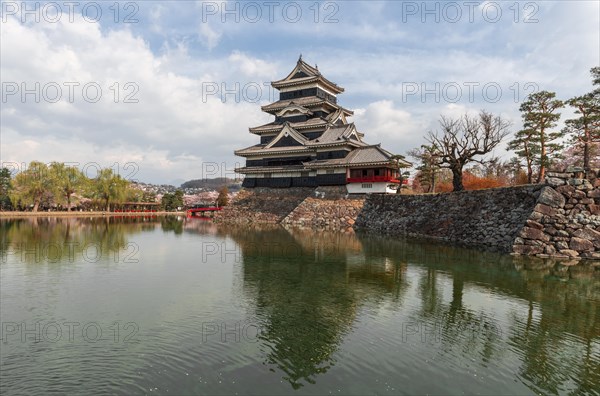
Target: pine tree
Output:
{"points": [[526, 148], [178, 200], [167, 201], [539, 117], [585, 130], [428, 165], [398, 161]]}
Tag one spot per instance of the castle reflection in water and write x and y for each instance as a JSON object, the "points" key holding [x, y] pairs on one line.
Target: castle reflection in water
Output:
{"points": [[313, 293]]}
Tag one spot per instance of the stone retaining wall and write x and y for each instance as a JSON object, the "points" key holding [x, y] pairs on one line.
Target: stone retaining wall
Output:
{"points": [[490, 218], [560, 218], [566, 219], [262, 205], [323, 207], [327, 208]]}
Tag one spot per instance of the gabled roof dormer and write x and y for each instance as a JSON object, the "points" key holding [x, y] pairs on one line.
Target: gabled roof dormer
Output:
{"points": [[338, 117], [304, 73], [293, 110], [288, 136], [301, 70], [339, 135], [355, 135]]}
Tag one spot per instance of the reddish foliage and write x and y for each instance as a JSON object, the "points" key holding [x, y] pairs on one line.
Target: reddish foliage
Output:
{"points": [[472, 182], [443, 187], [416, 185], [521, 178]]}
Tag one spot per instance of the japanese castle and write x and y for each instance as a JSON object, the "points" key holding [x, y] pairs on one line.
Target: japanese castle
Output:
{"points": [[311, 143]]}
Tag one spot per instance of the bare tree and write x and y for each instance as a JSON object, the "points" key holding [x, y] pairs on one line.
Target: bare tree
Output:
{"points": [[464, 139]]}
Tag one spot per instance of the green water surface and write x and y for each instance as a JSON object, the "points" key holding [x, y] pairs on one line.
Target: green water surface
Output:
{"points": [[169, 305]]}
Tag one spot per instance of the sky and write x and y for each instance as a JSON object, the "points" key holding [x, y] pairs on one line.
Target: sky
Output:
{"points": [[165, 91]]}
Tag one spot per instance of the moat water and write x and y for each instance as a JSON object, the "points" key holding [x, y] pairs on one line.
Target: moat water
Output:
{"points": [[176, 306]]}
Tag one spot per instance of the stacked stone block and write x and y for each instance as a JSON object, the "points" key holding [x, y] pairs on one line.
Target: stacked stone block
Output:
{"points": [[328, 208], [566, 219]]}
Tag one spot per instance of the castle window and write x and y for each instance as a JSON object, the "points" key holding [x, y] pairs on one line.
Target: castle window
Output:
{"points": [[367, 185]]}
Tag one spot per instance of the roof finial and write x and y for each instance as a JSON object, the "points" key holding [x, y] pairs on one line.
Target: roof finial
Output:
{"points": [[300, 58], [316, 66]]}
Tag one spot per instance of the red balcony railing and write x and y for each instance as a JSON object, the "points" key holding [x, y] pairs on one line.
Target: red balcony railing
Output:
{"points": [[372, 179]]}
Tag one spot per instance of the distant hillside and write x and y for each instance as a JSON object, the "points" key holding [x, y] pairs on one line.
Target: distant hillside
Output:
{"points": [[213, 184]]}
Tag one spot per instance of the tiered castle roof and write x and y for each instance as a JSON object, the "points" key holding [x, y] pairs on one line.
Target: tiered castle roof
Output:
{"points": [[309, 124]]}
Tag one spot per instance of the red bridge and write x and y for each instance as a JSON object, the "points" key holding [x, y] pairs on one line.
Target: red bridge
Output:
{"points": [[191, 212]]}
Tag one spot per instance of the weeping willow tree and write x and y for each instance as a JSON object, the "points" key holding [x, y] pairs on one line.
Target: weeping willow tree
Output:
{"points": [[5, 189], [109, 187], [33, 185], [66, 181]]}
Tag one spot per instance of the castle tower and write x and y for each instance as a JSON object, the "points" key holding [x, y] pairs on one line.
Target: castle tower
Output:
{"points": [[311, 143]]}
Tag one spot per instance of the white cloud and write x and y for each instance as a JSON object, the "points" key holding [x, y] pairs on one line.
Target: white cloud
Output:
{"points": [[171, 124], [249, 66], [155, 15], [396, 129], [370, 51], [209, 36]]}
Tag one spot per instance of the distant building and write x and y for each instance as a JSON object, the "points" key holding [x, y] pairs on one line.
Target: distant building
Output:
{"points": [[310, 143]]}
